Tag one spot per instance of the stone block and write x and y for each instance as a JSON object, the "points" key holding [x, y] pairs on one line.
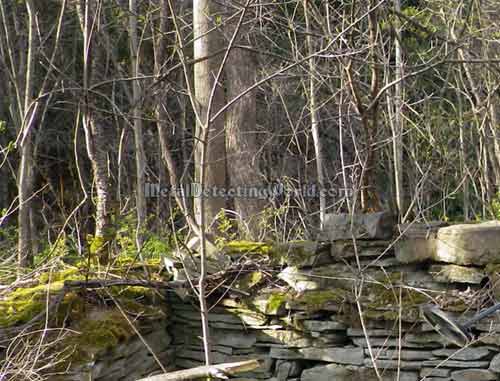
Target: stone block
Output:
{"points": [[456, 274], [344, 226], [469, 244], [473, 375]]}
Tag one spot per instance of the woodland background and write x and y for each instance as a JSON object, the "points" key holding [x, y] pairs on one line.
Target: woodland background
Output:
{"points": [[397, 100]]}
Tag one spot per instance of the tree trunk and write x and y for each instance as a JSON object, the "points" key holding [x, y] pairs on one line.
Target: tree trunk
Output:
{"points": [[315, 118], [398, 124], [241, 142], [160, 56], [95, 131], [140, 156], [25, 178], [206, 43]]}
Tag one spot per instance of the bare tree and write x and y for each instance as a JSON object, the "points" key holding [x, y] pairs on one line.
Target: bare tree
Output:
{"points": [[94, 126], [397, 124], [313, 109], [209, 95], [241, 142], [140, 156]]}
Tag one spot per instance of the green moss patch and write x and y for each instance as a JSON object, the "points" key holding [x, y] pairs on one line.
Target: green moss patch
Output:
{"points": [[249, 281], [248, 247], [317, 300], [23, 304]]}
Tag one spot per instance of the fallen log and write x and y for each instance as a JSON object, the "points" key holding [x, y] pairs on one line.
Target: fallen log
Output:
{"points": [[216, 371]]}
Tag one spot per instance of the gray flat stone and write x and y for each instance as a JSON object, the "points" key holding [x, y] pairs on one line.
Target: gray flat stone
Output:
{"points": [[495, 364], [235, 317], [372, 332], [287, 369], [465, 354], [328, 373], [424, 337], [234, 340], [394, 343], [434, 372], [418, 241], [456, 274], [339, 355], [473, 375], [289, 338], [394, 364], [457, 364], [469, 244], [364, 249], [323, 326], [489, 339], [368, 374], [344, 226], [405, 354], [334, 372]]}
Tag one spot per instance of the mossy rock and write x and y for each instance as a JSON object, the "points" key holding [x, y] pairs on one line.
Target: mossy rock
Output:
{"points": [[248, 281], [69, 273], [23, 304], [270, 303], [317, 300], [294, 253], [96, 333]]}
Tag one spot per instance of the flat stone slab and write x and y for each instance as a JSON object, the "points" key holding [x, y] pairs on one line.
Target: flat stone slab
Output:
{"points": [[469, 244], [365, 249], [339, 355], [457, 364], [371, 332], [335, 372], [394, 364], [323, 326], [434, 372], [473, 375], [394, 343], [465, 354], [456, 274], [404, 354], [345, 226], [289, 338], [328, 373]]}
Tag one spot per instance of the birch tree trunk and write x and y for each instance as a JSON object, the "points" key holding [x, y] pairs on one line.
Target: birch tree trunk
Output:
{"points": [[95, 137]]}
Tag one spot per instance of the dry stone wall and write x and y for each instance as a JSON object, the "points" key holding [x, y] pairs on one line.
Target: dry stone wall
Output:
{"points": [[128, 361], [346, 309]]}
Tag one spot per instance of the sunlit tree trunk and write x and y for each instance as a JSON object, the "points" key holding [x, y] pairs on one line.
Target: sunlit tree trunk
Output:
{"points": [[208, 42], [313, 109], [398, 124], [25, 176]]}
